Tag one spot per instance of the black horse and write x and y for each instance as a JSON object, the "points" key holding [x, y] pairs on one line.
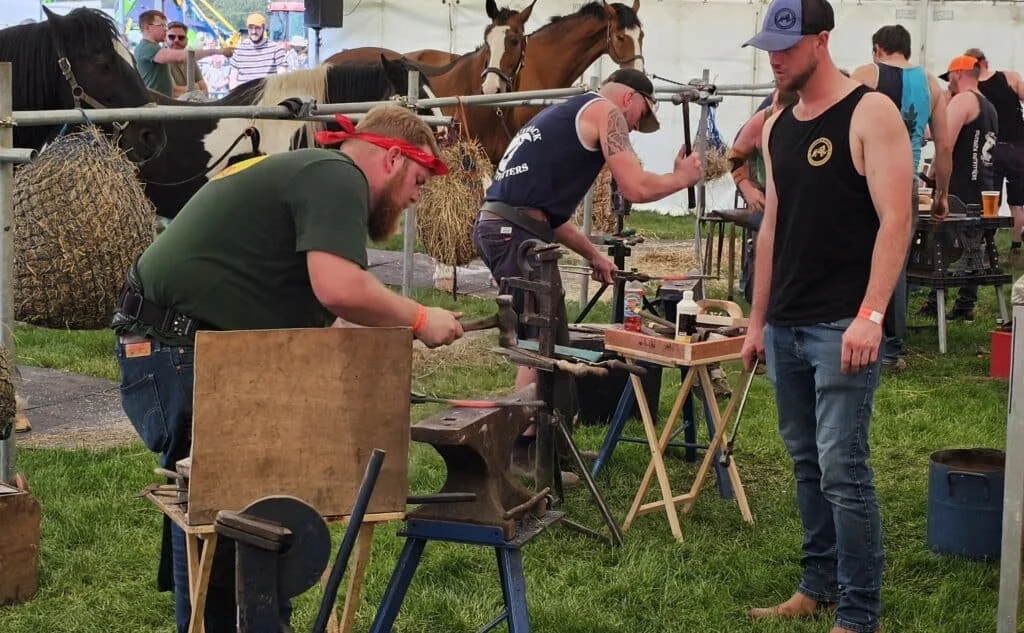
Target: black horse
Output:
{"points": [[200, 148], [77, 61]]}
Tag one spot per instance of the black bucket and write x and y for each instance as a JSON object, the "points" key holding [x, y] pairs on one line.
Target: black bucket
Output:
{"points": [[598, 397], [965, 502]]}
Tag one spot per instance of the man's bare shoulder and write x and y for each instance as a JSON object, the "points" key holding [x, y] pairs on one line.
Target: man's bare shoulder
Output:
{"points": [[865, 74]]}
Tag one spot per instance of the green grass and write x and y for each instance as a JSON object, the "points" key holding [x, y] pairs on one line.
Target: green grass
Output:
{"points": [[100, 540]]}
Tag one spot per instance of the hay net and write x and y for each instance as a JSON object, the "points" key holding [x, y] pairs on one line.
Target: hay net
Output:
{"points": [[80, 218], [8, 403], [449, 204]]}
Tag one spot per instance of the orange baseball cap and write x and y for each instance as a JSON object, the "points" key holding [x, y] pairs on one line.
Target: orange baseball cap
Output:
{"points": [[960, 62], [255, 19]]}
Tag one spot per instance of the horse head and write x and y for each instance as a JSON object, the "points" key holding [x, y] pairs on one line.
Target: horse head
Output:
{"points": [[625, 43], [397, 71], [99, 72], [505, 38]]}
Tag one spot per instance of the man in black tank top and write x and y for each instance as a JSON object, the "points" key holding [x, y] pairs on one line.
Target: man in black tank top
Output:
{"points": [[973, 124], [835, 233], [1005, 89]]}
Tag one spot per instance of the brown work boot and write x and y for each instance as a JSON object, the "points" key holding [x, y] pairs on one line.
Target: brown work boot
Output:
{"points": [[798, 606]]}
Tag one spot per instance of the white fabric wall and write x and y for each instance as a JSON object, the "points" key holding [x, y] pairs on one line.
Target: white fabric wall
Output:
{"points": [[682, 37]]}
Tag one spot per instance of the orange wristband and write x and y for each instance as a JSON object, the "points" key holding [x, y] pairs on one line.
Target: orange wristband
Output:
{"points": [[421, 320], [871, 315]]}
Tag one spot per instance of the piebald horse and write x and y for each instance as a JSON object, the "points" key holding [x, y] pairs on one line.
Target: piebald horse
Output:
{"points": [[200, 148], [490, 69], [77, 61]]}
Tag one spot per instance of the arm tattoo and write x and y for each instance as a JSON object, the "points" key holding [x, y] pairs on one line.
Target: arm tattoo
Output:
{"points": [[618, 133]]}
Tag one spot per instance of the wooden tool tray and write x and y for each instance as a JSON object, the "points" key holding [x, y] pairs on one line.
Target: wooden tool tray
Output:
{"points": [[661, 349]]}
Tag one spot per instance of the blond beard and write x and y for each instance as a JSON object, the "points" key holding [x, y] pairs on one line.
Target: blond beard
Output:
{"points": [[383, 220]]}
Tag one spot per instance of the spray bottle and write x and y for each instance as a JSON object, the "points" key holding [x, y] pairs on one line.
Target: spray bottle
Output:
{"points": [[686, 318], [632, 304]]}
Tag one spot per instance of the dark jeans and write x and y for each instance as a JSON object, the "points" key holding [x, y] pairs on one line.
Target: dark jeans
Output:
{"points": [[894, 327], [824, 416], [156, 394], [498, 242]]}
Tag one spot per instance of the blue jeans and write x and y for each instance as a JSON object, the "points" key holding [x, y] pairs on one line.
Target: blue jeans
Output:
{"points": [[823, 420], [894, 327], [156, 395]]}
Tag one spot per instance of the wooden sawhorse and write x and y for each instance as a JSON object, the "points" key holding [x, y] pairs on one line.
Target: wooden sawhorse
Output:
{"points": [[199, 564], [698, 370]]}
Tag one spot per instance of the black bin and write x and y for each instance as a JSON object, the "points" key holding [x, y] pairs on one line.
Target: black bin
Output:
{"points": [[598, 397]]}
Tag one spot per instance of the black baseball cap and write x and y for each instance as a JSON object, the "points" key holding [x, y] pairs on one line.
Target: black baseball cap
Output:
{"points": [[786, 22], [640, 82]]}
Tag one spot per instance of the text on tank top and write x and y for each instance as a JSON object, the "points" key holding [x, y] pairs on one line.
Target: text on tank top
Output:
{"points": [[1007, 105], [826, 223], [546, 166], [908, 89], [972, 154]]}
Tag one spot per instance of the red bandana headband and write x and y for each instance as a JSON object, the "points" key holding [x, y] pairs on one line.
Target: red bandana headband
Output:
{"points": [[348, 131]]}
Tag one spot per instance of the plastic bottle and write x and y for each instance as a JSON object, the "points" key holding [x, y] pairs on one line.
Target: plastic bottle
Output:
{"points": [[632, 304], [686, 318]]}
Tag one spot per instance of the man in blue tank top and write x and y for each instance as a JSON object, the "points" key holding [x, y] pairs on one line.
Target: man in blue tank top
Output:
{"points": [[832, 243], [919, 97], [552, 162]]}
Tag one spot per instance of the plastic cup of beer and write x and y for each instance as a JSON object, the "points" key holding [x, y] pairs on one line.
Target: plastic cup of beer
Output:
{"points": [[989, 204]]}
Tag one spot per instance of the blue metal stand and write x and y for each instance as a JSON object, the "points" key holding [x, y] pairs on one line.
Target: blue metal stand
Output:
{"points": [[614, 435], [510, 566]]}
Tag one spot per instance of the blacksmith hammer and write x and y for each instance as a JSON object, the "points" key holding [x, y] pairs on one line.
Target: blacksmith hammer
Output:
{"points": [[506, 320]]}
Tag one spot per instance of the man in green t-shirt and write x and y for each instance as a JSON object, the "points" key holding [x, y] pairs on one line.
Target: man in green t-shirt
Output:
{"points": [[153, 61], [276, 242]]}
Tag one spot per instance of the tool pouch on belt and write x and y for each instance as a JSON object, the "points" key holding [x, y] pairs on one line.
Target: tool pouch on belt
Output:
{"points": [[133, 309], [517, 216]]}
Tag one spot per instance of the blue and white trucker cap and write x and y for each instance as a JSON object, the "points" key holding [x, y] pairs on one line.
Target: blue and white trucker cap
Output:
{"points": [[787, 21]]}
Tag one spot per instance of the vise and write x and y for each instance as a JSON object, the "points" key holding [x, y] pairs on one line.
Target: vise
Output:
{"points": [[476, 445]]}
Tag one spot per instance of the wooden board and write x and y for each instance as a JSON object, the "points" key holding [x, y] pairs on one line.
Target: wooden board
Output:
{"points": [[19, 545], [298, 412], [668, 350]]}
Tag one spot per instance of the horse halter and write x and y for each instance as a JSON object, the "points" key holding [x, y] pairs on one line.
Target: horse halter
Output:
{"points": [[508, 79], [611, 51], [78, 93]]}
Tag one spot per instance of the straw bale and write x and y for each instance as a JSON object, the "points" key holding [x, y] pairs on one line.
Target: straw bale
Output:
{"points": [[449, 204], [8, 402], [80, 219], [602, 218]]}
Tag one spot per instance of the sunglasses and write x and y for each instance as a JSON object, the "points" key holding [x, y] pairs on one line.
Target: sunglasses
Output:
{"points": [[173, 37]]}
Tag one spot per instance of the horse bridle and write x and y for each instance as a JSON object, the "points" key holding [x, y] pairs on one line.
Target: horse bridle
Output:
{"points": [[509, 80], [78, 93], [611, 51]]}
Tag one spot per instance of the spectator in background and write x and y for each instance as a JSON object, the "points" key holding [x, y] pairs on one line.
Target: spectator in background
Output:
{"points": [[256, 56], [297, 57], [153, 61], [216, 73], [177, 39]]}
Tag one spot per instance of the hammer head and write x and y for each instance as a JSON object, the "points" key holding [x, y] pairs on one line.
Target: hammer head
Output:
{"points": [[508, 322]]}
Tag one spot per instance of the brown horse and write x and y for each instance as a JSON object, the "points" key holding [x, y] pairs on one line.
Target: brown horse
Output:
{"points": [[497, 62], [559, 52]]}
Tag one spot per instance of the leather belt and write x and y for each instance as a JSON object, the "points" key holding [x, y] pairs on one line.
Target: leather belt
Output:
{"points": [[529, 219]]}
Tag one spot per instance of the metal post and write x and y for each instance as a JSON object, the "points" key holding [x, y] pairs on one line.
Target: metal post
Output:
{"points": [[316, 49], [190, 72], [588, 220], [410, 213], [7, 462], [1013, 495]]}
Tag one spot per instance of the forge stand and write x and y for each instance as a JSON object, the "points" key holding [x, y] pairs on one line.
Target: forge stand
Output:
{"points": [[544, 308], [960, 251]]}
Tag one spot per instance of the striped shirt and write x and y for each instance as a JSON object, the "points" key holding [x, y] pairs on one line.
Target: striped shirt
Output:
{"points": [[255, 61]]}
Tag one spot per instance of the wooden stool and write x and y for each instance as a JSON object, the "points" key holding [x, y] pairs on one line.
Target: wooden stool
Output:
{"points": [[697, 357], [201, 543]]}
